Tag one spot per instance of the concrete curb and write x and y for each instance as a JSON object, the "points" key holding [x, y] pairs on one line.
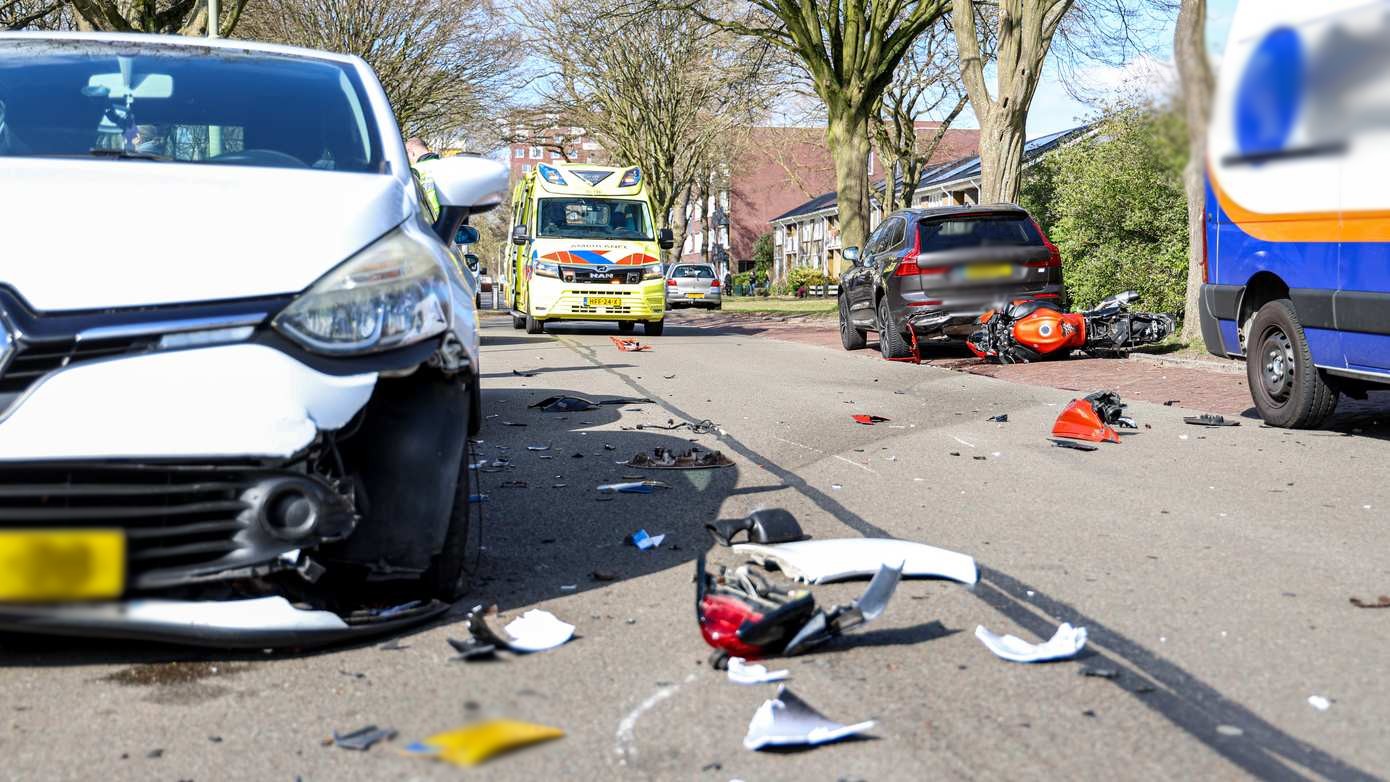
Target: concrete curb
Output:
{"points": [[1228, 367]]}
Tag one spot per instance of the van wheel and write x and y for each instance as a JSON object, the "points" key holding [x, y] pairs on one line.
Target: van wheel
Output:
{"points": [[653, 328], [890, 342], [1288, 390], [534, 326], [518, 322], [626, 326], [851, 336]]}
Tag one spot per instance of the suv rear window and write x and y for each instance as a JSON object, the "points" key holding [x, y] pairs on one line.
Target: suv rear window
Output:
{"points": [[697, 272], [1005, 231]]}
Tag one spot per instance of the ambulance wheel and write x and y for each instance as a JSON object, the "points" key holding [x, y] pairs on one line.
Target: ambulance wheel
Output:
{"points": [[1288, 390], [534, 326], [518, 322], [626, 326], [653, 328]]}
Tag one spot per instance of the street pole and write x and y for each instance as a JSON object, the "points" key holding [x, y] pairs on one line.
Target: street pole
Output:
{"points": [[214, 131], [212, 18]]}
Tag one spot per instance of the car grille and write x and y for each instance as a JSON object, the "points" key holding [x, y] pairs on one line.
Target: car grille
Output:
{"points": [[610, 277], [33, 360], [181, 523]]}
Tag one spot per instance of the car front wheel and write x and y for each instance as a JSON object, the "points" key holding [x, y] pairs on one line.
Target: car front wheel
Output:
{"points": [[451, 571], [1288, 390]]}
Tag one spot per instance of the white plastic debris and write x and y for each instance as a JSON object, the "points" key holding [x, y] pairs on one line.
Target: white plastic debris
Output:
{"points": [[742, 672], [825, 561], [1067, 642], [1319, 702], [789, 721], [536, 631]]}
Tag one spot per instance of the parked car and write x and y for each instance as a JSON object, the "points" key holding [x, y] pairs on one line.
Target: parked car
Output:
{"points": [[245, 386], [932, 272], [693, 285]]}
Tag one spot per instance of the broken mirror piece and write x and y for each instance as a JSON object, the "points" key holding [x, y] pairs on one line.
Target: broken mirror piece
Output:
{"points": [[643, 541], [869, 420], [635, 487], [666, 459], [1208, 419], [477, 743], [363, 739], [1067, 642], [744, 672], [788, 721]]}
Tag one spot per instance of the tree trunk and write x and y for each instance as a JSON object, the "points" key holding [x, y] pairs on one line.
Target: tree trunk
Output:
{"points": [[1001, 155], [680, 223], [1194, 69], [848, 139]]}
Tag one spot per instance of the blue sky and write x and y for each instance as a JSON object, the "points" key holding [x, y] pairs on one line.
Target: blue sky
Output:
{"points": [[1054, 109]]}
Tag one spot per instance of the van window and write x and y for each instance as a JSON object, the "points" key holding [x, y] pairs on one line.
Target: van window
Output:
{"points": [[1006, 231], [594, 218]]}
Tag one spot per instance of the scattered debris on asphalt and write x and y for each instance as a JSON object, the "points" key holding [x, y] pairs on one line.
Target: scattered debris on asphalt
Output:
{"points": [[629, 345], [701, 427], [533, 631], [513, 485], [666, 459], [1002, 418], [786, 720], [1093, 418], [766, 525], [512, 423], [1100, 673], [363, 739], [1319, 702], [564, 404], [635, 487], [1172, 402], [869, 420], [643, 541], [540, 447], [1074, 445], [1382, 602], [603, 575], [1209, 419], [477, 743], [1067, 642], [826, 561], [743, 672], [519, 373]]}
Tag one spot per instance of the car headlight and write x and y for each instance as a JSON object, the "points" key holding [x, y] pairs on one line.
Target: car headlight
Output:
{"points": [[652, 271], [546, 269], [389, 295]]}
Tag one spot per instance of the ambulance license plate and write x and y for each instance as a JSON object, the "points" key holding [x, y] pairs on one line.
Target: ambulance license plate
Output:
{"points": [[602, 301]]}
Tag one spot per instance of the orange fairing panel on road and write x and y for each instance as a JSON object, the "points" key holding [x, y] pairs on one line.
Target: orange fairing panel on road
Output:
{"points": [[1079, 421]]}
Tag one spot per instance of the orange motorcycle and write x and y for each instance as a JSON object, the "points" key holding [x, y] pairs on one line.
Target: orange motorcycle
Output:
{"points": [[1031, 329]]}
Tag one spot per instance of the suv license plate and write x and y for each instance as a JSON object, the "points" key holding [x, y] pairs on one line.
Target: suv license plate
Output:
{"points": [[602, 301], [989, 271], [52, 565]]}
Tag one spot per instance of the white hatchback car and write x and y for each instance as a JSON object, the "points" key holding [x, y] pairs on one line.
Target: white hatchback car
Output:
{"points": [[238, 363]]}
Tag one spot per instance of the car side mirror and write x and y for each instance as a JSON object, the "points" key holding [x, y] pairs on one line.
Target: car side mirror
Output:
{"points": [[520, 235], [466, 234], [473, 183], [471, 260], [851, 254], [666, 238]]}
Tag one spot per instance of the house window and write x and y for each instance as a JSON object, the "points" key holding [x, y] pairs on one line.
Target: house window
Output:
{"points": [[536, 153], [519, 152], [526, 169], [777, 237], [554, 155]]}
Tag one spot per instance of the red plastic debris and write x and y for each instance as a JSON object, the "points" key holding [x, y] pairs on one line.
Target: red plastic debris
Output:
{"points": [[629, 345], [869, 420], [1079, 421]]}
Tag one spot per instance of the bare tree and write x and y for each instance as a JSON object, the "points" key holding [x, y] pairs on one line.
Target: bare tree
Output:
{"points": [[1195, 74], [1022, 33], [31, 14], [925, 84], [181, 17], [445, 64], [849, 49], [663, 89]]}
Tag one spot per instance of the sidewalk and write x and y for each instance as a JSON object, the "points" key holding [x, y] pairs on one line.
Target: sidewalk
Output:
{"points": [[1217, 389]]}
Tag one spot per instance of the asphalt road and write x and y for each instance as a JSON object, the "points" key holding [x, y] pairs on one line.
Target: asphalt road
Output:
{"points": [[1211, 567]]}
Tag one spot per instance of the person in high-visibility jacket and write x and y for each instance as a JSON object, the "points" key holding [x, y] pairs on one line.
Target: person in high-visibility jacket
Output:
{"points": [[418, 152]]}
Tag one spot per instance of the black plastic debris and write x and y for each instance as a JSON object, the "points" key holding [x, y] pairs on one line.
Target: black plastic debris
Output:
{"points": [[1382, 602], [564, 404], [769, 525], [1172, 402], [1002, 418], [1075, 446], [1100, 673], [1208, 419], [666, 459], [511, 423], [701, 427], [603, 575], [473, 650], [519, 373], [363, 739]]}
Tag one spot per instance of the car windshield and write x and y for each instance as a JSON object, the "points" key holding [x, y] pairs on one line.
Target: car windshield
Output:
{"points": [[183, 104], [1007, 231], [696, 272], [594, 218]]}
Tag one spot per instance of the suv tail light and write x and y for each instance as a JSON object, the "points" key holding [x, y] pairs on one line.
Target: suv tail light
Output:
{"points": [[1054, 256], [908, 268]]}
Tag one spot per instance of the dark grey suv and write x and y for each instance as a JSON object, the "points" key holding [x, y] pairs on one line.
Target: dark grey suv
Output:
{"points": [[933, 272]]}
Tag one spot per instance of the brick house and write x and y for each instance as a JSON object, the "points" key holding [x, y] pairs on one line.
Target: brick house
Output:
{"points": [[532, 148]]}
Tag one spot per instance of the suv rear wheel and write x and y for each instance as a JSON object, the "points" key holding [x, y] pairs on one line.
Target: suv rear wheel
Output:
{"points": [[851, 336], [1288, 390], [890, 341]]}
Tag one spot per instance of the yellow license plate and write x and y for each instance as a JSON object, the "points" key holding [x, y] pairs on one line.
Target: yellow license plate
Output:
{"points": [[989, 271], [602, 301], [694, 295], [48, 565]]}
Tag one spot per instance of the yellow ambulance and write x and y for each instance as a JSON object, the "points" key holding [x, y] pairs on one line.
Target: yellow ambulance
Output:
{"points": [[586, 247]]}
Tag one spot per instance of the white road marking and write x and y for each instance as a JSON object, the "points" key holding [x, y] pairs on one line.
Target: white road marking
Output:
{"points": [[798, 445], [962, 442], [626, 747], [856, 464]]}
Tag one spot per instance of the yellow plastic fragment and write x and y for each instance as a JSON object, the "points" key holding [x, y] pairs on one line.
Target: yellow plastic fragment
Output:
{"points": [[477, 743]]}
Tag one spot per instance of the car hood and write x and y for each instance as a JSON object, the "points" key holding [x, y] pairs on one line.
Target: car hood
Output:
{"points": [[100, 234]]}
